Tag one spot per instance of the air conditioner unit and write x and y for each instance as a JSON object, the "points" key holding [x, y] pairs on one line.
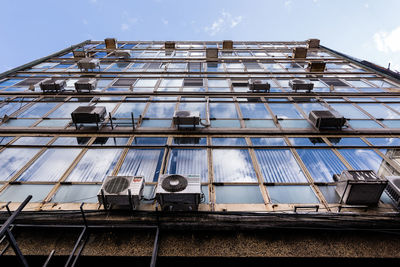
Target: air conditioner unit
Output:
{"points": [[88, 63], [122, 53], [240, 83], [88, 114], [115, 191], [85, 84], [299, 52], [393, 189], [326, 119], [185, 117], [177, 192], [52, 86], [259, 86], [313, 43], [169, 45], [316, 66], [79, 53], [227, 45], [297, 84], [212, 54], [111, 43], [360, 187]]}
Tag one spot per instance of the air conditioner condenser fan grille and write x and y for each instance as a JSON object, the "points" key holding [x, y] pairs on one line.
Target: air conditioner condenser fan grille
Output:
{"points": [[174, 183], [116, 185]]}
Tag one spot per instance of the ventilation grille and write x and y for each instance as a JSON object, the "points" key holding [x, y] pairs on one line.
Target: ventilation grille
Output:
{"points": [[334, 82], [393, 189], [124, 82], [174, 183], [116, 185], [192, 82]]}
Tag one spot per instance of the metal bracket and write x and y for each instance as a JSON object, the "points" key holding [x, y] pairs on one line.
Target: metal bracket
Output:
{"points": [[316, 207]]}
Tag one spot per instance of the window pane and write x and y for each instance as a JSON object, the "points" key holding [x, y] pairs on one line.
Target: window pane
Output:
{"points": [[50, 166], [189, 161], [379, 111], [32, 140], [125, 109], [143, 162], [362, 159], [233, 165], [346, 141], [376, 141], [236, 194], [95, 165], [222, 141], [37, 110], [18, 193], [279, 166], [265, 141], [304, 141], [349, 111], [254, 110], [202, 141], [223, 110], [13, 159], [160, 110], [77, 193], [321, 163], [149, 141], [286, 111], [292, 194]]}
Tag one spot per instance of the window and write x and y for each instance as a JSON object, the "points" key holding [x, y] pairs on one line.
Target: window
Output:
{"points": [[233, 165], [189, 161], [279, 166]]}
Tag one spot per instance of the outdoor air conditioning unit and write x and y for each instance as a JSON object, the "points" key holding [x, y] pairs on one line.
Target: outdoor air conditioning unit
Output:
{"points": [[393, 189], [185, 117], [169, 45], [259, 86], [316, 66], [85, 84], [122, 53], [313, 43], [361, 187], [52, 86], [240, 83], [88, 63], [297, 84], [326, 119], [227, 45], [88, 114], [212, 54], [79, 53], [299, 52], [177, 192], [111, 43], [115, 191]]}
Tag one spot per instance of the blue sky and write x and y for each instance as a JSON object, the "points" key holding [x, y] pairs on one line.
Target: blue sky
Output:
{"points": [[365, 29]]}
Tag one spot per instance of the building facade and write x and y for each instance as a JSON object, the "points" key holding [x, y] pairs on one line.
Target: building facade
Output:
{"points": [[266, 168]]}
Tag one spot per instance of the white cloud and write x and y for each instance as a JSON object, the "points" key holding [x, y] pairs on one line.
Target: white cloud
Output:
{"points": [[288, 3], [224, 22], [164, 21], [127, 21], [388, 41], [125, 27], [366, 5], [84, 21]]}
